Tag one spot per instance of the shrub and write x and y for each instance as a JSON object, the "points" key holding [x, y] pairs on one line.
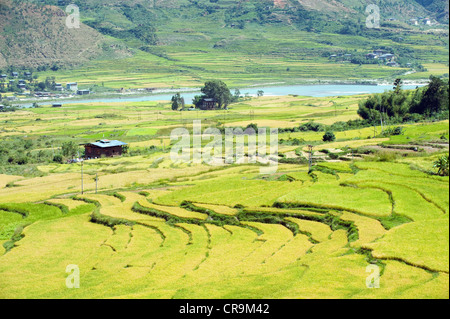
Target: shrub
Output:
{"points": [[311, 126], [144, 193], [393, 131], [387, 156], [442, 164], [329, 137], [333, 156], [22, 160], [58, 159]]}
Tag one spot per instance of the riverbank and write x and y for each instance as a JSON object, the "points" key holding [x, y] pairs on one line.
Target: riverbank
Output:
{"points": [[317, 89]]}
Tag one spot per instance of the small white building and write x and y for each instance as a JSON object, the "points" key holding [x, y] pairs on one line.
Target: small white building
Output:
{"points": [[72, 86]]}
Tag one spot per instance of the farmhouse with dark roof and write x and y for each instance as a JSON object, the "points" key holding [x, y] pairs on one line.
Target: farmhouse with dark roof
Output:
{"points": [[103, 148]]}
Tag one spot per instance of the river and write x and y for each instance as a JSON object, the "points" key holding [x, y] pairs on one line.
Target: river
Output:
{"points": [[316, 90]]}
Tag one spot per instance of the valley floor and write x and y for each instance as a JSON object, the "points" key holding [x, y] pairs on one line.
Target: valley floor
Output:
{"points": [[162, 229]]}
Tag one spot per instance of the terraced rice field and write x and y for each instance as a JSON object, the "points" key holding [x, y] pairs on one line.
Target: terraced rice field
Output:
{"points": [[160, 229], [235, 235]]}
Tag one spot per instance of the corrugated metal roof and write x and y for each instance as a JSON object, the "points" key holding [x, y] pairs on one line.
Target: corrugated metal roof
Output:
{"points": [[108, 143]]}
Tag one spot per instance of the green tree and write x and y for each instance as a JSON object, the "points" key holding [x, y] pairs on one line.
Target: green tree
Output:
{"points": [[398, 85], [382, 107], [146, 33], [41, 86], [218, 91], [177, 102], [435, 98], [329, 137], [237, 94], [69, 149], [58, 159]]}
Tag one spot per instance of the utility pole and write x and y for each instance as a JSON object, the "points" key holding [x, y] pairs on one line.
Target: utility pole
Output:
{"points": [[381, 122], [96, 181], [82, 191], [310, 148]]}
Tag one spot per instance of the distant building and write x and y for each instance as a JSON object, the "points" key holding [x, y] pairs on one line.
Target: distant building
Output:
{"points": [[83, 92], [413, 22], [27, 74], [209, 104], [10, 98], [14, 74], [41, 94], [21, 81], [58, 87], [371, 56], [104, 148], [21, 86], [72, 86], [427, 21], [3, 76], [379, 52], [387, 57]]}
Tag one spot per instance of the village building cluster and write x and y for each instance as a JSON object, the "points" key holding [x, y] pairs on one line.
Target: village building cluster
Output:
{"points": [[384, 56], [22, 84], [422, 21]]}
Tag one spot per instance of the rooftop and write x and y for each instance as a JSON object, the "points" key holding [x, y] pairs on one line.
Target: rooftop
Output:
{"points": [[108, 143]]}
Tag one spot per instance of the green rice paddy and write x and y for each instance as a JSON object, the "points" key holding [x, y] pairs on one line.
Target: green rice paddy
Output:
{"points": [[158, 229]]}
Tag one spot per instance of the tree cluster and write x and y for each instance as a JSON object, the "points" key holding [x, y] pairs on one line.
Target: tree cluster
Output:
{"points": [[400, 105], [217, 90]]}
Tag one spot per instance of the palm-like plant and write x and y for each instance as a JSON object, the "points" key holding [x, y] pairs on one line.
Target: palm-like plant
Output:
{"points": [[442, 164]]}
